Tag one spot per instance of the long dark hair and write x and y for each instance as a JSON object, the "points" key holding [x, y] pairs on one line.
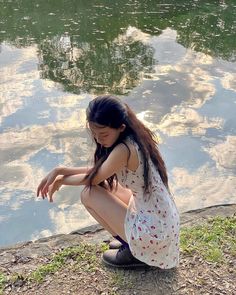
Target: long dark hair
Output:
{"points": [[112, 112]]}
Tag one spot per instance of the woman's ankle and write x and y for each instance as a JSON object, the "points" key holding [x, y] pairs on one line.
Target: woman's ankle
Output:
{"points": [[124, 243]]}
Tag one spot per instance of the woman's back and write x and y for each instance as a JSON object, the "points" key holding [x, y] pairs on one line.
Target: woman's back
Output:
{"points": [[152, 218]]}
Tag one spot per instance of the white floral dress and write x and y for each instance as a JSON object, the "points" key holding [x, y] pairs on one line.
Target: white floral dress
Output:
{"points": [[152, 220]]}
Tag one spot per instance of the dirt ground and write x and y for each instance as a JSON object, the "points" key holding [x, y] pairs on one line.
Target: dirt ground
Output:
{"points": [[193, 276]]}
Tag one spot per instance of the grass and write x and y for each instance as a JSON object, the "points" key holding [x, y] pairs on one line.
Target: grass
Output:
{"points": [[118, 279], [83, 257], [213, 240], [3, 281]]}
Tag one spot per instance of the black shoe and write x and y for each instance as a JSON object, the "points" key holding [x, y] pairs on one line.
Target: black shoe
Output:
{"points": [[122, 258], [115, 244]]}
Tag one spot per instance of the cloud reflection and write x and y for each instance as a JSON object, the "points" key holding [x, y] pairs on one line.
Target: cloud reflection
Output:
{"points": [[66, 213], [188, 121], [20, 66], [224, 153], [132, 34], [69, 220], [228, 81], [203, 187]]}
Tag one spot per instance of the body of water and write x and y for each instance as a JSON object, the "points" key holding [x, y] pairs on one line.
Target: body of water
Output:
{"points": [[174, 63]]}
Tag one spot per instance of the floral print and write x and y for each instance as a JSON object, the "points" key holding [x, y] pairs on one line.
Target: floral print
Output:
{"points": [[152, 220]]}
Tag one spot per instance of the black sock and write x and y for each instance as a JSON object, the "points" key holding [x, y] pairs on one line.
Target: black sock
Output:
{"points": [[124, 243]]}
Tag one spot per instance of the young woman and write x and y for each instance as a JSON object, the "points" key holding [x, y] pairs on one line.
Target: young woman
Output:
{"points": [[126, 190]]}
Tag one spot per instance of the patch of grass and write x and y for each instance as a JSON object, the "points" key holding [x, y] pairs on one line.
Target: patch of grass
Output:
{"points": [[39, 274], [84, 257], [119, 279], [104, 247], [3, 281], [211, 240]]}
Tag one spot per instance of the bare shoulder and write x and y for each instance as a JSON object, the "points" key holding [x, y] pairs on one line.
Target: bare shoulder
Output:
{"points": [[125, 151], [127, 148], [121, 148], [132, 157], [120, 153], [120, 157], [115, 162]]}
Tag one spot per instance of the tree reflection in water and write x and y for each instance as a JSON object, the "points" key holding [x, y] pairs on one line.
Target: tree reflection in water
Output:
{"points": [[114, 67], [77, 44]]}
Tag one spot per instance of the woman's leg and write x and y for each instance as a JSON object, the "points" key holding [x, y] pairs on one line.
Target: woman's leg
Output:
{"points": [[106, 208], [99, 220], [110, 211], [122, 193]]}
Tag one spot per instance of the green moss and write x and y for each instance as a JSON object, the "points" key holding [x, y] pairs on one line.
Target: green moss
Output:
{"points": [[211, 240]]}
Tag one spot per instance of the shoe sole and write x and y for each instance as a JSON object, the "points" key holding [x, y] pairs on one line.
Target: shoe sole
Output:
{"points": [[127, 266]]}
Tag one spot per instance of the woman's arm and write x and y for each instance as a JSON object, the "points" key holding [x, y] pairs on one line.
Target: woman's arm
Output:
{"points": [[72, 170], [52, 175], [77, 179], [114, 163], [64, 180]]}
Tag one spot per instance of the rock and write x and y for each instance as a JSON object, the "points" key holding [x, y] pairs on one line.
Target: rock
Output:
{"points": [[195, 216], [64, 241], [89, 229], [34, 250], [15, 247], [6, 258]]}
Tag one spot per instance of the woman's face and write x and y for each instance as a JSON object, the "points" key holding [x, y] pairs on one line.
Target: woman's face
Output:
{"points": [[106, 136]]}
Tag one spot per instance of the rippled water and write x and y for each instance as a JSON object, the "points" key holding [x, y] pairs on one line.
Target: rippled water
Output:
{"points": [[174, 63]]}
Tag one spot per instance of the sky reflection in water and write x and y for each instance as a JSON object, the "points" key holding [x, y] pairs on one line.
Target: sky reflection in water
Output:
{"points": [[184, 95]]}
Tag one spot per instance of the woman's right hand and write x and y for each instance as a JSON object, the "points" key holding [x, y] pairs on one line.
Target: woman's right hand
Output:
{"points": [[55, 186], [46, 182]]}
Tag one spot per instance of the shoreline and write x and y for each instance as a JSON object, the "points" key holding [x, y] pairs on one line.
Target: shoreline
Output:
{"points": [[96, 234]]}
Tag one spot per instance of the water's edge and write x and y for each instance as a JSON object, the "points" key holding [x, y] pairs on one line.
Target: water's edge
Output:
{"points": [[96, 234]]}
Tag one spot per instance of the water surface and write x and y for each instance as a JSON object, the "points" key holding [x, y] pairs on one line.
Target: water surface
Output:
{"points": [[173, 63]]}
